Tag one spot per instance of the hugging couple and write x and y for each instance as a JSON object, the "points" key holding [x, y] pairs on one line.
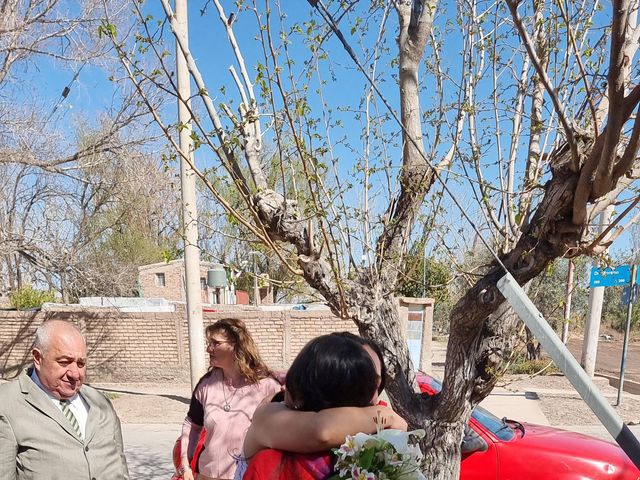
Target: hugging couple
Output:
{"points": [[242, 425]]}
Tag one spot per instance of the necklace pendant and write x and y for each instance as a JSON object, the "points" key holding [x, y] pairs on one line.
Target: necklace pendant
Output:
{"points": [[226, 407]]}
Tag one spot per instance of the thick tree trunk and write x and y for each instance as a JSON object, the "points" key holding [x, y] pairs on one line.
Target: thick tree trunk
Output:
{"points": [[442, 449], [482, 329]]}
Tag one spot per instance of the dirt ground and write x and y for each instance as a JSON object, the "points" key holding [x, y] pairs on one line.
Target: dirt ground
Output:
{"points": [[149, 403], [562, 405]]}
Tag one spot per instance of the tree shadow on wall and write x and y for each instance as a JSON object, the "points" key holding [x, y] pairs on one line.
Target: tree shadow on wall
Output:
{"points": [[15, 357]]}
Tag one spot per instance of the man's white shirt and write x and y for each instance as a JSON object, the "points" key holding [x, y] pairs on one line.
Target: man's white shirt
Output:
{"points": [[77, 405]]}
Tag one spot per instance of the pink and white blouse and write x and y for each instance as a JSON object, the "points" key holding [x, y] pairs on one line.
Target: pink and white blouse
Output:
{"points": [[225, 429]]}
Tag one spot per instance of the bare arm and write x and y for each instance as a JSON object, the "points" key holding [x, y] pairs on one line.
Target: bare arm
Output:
{"points": [[276, 426], [188, 442]]}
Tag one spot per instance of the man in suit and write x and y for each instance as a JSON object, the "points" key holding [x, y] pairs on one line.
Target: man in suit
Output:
{"points": [[51, 426]]}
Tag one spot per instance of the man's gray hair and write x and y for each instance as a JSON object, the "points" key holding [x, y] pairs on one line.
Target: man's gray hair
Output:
{"points": [[43, 333]]}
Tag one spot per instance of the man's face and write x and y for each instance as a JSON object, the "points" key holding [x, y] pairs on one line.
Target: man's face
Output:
{"points": [[61, 365]]}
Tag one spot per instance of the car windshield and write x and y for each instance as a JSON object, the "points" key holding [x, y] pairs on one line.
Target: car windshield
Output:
{"points": [[498, 427]]}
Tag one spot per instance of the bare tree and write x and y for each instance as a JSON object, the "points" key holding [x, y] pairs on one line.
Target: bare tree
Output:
{"points": [[83, 197], [543, 142], [86, 233], [58, 29]]}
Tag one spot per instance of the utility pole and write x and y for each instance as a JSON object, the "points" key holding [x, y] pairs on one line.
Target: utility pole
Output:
{"points": [[592, 325], [189, 211]]}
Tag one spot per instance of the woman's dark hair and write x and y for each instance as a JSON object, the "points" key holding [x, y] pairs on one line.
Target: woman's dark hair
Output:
{"points": [[373, 346], [332, 371]]}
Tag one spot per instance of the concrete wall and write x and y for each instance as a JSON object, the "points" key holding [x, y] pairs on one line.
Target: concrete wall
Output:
{"points": [[420, 311], [153, 346]]}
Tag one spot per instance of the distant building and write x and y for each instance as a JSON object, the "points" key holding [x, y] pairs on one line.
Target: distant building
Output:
{"points": [[166, 280]]}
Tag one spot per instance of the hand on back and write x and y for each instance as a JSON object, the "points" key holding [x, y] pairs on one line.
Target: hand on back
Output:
{"points": [[391, 419]]}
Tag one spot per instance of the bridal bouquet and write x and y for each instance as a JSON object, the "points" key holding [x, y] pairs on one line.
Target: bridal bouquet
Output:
{"points": [[385, 455]]}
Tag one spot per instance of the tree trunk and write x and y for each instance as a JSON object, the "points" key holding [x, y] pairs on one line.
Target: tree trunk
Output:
{"points": [[64, 291], [442, 449], [18, 269], [10, 272], [534, 349]]}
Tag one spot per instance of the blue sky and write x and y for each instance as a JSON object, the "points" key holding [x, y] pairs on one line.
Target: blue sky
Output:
{"points": [[92, 91]]}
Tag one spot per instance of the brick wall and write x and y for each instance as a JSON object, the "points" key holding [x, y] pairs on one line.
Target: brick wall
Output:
{"points": [[153, 346]]}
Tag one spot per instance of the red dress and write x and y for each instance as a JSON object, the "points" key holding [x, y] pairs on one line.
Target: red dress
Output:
{"points": [[278, 465], [272, 464]]}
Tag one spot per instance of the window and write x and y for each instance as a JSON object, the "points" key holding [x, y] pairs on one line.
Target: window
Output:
{"points": [[500, 428], [160, 280], [203, 283]]}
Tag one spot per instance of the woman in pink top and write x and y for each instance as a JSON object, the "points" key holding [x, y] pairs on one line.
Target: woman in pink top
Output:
{"points": [[224, 401]]}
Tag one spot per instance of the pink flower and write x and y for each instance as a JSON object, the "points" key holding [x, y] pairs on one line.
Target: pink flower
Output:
{"points": [[358, 473]]}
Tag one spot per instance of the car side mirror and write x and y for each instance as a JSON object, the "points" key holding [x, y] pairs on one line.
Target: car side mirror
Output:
{"points": [[472, 442]]}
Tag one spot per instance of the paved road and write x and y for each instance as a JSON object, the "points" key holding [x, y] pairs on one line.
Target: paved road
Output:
{"points": [[148, 449]]}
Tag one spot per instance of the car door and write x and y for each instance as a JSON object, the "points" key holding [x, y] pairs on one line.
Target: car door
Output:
{"points": [[480, 465]]}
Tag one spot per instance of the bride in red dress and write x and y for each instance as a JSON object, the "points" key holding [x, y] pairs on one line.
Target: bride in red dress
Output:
{"points": [[331, 391]]}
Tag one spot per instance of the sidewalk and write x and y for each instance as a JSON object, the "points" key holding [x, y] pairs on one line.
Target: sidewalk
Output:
{"points": [[148, 449], [521, 406]]}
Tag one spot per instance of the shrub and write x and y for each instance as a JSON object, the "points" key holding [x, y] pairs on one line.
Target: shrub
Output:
{"points": [[540, 366], [28, 297]]}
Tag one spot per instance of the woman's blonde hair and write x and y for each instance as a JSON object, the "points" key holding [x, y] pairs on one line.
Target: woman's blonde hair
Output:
{"points": [[248, 358]]}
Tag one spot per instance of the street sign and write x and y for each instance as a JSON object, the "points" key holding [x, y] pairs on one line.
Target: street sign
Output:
{"points": [[610, 277], [635, 291]]}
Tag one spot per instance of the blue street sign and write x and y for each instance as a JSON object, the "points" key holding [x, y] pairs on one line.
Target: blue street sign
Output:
{"points": [[629, 292], [610, 277]]}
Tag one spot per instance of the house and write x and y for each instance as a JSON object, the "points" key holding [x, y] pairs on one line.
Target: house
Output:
{"points": [[166, 280]]}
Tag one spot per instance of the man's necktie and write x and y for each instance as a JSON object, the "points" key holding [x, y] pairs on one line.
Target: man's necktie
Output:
{"points": [[70, 416]]}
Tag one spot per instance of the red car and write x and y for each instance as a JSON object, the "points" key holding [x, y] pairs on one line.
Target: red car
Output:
{"points": [[517, 451]]}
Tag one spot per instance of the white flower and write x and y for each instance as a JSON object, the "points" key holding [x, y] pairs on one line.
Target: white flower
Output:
{"points": [[347, 449], [387, 455], [400, 440], [360, 439]]}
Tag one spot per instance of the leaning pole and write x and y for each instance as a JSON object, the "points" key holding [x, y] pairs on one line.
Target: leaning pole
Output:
{"points": [[565, 361]]}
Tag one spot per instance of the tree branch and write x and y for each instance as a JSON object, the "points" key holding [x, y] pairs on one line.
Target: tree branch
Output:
{"points": [[567, 128]]}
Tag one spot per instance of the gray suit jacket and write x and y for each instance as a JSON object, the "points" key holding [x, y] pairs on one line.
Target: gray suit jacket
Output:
{"points": [[38, 443]]}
